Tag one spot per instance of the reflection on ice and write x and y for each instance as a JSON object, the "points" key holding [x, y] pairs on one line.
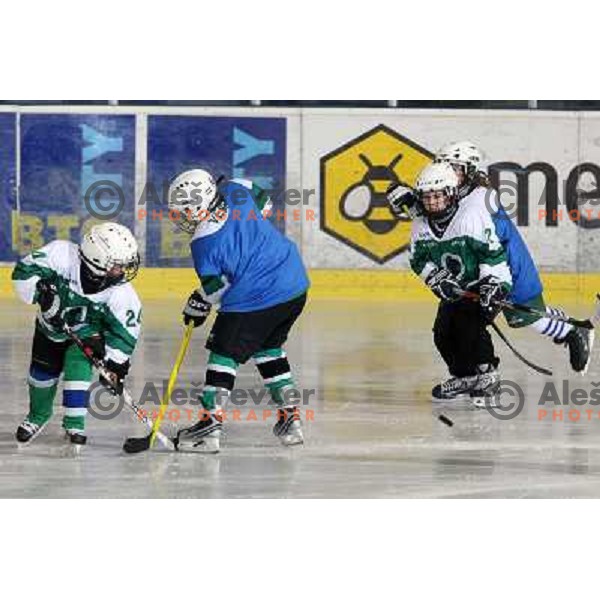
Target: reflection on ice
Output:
{"points": [[375, 432]]}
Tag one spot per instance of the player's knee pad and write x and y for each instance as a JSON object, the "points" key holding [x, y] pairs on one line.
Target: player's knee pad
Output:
{"points": [[219, 381], [273, 366], [42, 390], [220, 371], [40, 377]]}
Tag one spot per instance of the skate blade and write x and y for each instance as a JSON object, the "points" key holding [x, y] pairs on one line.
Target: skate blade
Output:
{"points": [[485, 403], [23, 446], [291, 440], [458, 397], [206, 446]]}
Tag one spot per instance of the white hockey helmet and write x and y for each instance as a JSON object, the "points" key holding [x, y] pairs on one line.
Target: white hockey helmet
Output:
{"points": [[466, 154], [192, 194], [438, 177], [109, 256]]}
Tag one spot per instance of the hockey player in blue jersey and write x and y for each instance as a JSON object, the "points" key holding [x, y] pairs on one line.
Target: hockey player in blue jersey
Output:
{"points": [[465, 158], [257, 276]]}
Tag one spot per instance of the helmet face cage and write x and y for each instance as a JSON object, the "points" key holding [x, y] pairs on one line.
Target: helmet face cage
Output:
{"points": [[188, 205], [95, 280], [186, 222], [109, 256], [436, 178], [451, 193], [128, 270]]}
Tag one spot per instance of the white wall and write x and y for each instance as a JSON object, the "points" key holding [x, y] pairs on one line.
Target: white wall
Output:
{"points": [[561, 139]]}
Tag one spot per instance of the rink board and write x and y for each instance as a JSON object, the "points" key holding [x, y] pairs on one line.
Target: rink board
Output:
{"points": [[176, 283], [545, 164]]}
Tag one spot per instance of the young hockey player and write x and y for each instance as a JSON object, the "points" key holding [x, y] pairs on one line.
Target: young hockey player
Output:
{"points": [[454, 248], [465, 158], [87, 288], [257, 276]]}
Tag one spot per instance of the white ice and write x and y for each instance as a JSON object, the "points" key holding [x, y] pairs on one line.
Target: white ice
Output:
{"points": [[375, 431]]}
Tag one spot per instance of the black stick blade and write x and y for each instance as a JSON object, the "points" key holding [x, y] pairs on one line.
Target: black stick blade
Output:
{"points": [[134, 445]]}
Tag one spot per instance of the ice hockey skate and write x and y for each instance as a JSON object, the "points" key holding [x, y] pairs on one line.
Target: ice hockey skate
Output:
{"points": [[288, 427], [580, 343], [28, 431], [203, 437]]}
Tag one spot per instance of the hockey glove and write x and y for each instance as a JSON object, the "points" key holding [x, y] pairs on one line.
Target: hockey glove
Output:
{"points": [[118, 372], [97, 345], [402, 203], [197, 309], [444, 285], [49, 301], [491, 292]]}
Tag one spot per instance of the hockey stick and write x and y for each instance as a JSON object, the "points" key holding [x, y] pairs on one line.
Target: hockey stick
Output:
{"points": [[106, 374], [475, 297], [505, 304], [133, 445], [535, 367]]}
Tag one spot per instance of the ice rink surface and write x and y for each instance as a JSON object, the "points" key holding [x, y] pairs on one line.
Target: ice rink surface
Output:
{"points": [[375, 432]]}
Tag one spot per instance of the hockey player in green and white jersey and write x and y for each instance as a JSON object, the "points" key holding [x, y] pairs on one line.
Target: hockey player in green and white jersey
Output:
{"points": [[466, 160], [527, 289], [86, 287], [456, 246]]}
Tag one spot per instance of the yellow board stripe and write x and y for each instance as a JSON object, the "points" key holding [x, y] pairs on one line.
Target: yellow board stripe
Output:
{"points": [[178, 283]]}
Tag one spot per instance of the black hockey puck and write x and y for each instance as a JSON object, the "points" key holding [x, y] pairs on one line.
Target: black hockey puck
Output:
{"points": [[445, 420]]}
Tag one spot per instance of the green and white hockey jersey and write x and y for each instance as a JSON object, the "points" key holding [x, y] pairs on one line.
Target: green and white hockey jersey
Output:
{"points": [[116, 312], [469, 247]]}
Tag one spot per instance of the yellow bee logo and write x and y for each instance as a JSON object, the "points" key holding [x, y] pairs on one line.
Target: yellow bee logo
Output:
{"points": [[375, 212], [354, 181]]}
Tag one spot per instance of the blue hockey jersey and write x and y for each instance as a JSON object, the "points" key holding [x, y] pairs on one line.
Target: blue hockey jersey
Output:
{"points": [[526, 279], [258, 265]]}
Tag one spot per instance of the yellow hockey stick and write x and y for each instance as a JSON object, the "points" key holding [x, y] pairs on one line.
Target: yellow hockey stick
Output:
{"points": [[187, 336], [134, 445]]}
